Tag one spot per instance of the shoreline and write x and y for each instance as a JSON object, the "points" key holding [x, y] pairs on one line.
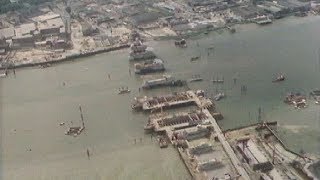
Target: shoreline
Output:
{"points": [[66, 58]]}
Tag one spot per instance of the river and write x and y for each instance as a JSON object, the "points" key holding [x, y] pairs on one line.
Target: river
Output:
{"points": [[33, 144]]}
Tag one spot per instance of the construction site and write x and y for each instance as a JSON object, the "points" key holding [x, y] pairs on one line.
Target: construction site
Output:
{"points": [[251, 152], [58, 29]]}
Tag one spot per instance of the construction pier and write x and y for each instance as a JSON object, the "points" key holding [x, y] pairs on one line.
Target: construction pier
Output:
{"points": [[189, 131], [251, 152], [171, 100]]}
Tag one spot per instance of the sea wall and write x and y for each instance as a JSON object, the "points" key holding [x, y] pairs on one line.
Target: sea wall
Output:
{"points": [[66, 58]]}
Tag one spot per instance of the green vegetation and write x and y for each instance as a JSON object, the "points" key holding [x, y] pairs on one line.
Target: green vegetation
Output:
{"points": [[6, 5]]}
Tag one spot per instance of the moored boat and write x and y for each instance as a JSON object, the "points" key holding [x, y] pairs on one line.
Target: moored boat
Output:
{"points": [[181, 43], [195, 58], [123, 90], [139, 52], [279, 78], [155, 65], [162, 142], [166, 80], [195, 78], [219, 96]]}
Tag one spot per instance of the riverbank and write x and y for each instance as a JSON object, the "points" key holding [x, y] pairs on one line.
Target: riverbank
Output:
{"points": [[112, 127], [66, 57], [70, 57]]}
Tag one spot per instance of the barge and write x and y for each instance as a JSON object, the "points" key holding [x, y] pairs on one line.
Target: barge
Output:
{"points": [[139, 52], [166, 80], [171, 100], [149, 66], [296, 99]]}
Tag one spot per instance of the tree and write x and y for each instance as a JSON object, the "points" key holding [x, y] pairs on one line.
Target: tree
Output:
{"points": [[68, 9]]}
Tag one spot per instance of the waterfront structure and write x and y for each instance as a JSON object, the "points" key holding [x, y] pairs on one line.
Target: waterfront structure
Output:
{"points": [[172, 100], [149, 66], [139, 51], [166, 80]]}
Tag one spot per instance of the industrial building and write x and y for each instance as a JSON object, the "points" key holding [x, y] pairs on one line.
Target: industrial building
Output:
{"points": [[48, 29], [254, 156]]}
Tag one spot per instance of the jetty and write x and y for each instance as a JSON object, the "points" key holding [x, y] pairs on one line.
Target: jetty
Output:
{"points": [[187, 129], [249, 152], [171, 100], [264, 152]]}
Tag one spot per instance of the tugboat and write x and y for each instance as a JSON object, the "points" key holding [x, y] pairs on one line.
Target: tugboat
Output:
{"points": [[181, 43], [123, 90], [279, 78]]}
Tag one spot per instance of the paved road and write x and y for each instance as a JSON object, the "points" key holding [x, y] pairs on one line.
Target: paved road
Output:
{"points": [[226, 146]]}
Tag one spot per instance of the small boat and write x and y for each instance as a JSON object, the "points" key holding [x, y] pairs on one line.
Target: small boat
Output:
{"points": [[45, 65], [62, 123], [162, 142], [148, 128], [279, 78], [3, 75], [181, 43], [232, 30], [123, 90], [299, 101], [218, 80], [195, 78], [74, 131], [195, 58], [219, 96]]}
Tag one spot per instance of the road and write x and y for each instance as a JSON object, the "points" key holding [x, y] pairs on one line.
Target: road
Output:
{"points": [[226, 146]]}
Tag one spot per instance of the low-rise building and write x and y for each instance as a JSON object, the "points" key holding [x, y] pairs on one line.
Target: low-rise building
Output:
{"points": [[52, 27], [25, 29], [4, 45], [254, 156], [26, 41]]}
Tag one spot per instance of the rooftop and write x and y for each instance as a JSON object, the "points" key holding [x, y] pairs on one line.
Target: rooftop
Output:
{"points": [[7, 32], [52, 23], [25, 29], [46, 17]]}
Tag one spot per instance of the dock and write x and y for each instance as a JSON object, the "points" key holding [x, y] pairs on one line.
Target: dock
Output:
{"points": [[191, 130], [264, 152], [172, 100], [249, 152]]}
